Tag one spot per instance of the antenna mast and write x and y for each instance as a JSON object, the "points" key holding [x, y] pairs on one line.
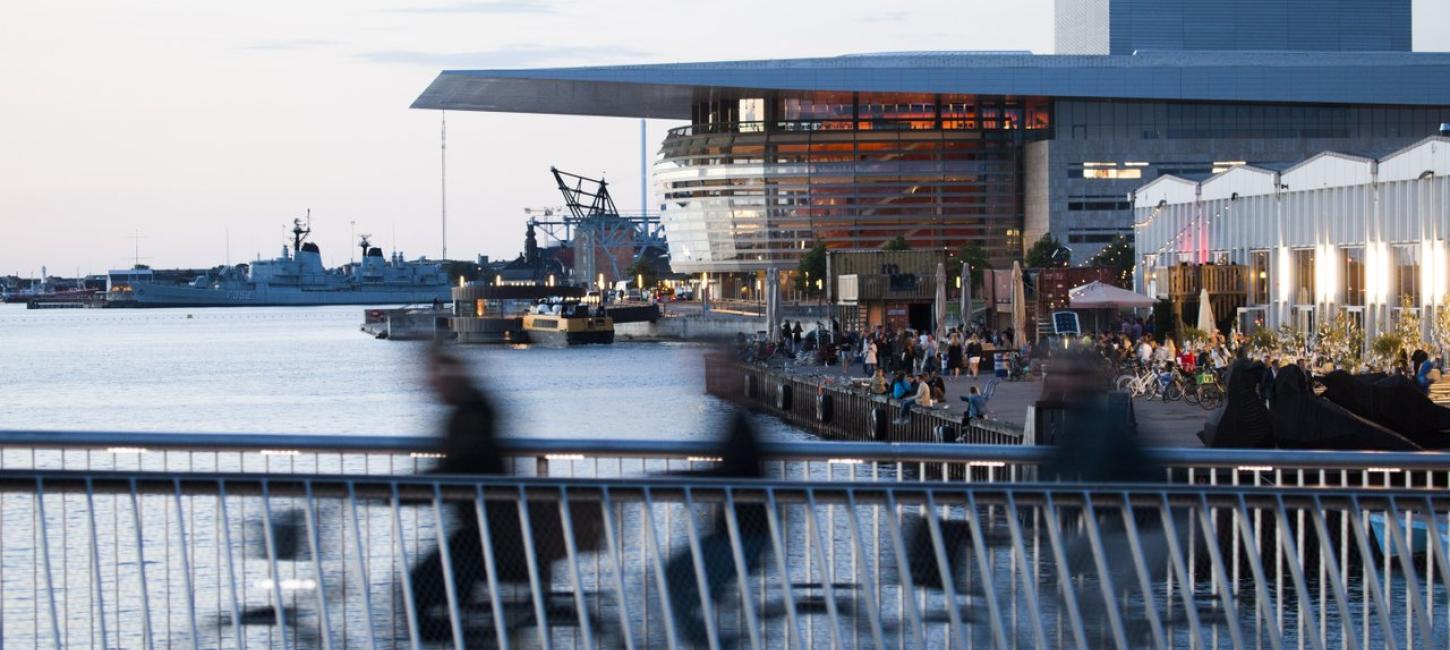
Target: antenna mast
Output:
{"points": [[443, 178], [643, 171]]}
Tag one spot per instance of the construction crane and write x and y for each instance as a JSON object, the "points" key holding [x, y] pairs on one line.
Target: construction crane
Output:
{"points": [[604, 241]]}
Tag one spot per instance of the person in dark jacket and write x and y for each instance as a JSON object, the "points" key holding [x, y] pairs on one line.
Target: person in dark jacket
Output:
{"points": [[740, 457], [1266, 385], [470, 447]]}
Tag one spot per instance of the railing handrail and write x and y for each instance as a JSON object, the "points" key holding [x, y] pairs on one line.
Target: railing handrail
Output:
{"points": [[665, 488], [776, 451]]}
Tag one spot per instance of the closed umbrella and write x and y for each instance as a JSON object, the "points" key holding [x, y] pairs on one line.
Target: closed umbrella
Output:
{"points": [[1205, 314], [1019, 306], [940, 305], [966, 294], [772, 306]]}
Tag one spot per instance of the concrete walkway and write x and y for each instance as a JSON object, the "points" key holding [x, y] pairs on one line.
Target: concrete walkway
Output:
{"points": [[1160, 424]]}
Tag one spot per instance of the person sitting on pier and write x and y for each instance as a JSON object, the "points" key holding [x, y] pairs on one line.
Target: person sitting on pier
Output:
{"points": [[878, 383], [938, 387], [900, 387], [922, 397], [976, 404]]}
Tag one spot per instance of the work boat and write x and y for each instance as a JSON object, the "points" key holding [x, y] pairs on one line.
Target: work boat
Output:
{"points": [[298, 278], [568, 323]]}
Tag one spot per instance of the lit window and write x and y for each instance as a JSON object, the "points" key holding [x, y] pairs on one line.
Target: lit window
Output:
{"points": [[1221, 166], [1135, 164], [1112, 174], [752, 115]]}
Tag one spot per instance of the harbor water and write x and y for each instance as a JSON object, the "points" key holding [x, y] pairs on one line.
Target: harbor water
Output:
{"points": [[310, 370]]}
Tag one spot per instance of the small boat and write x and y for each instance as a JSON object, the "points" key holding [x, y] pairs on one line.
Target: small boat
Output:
{"points": [[568, 323], [1418, 538]]}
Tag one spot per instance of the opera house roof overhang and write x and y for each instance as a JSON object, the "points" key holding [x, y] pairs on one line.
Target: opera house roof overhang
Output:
{"points": [[667, 91]]}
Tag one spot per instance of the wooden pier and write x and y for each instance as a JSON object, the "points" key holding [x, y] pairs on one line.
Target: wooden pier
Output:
{"points": [[840, 411]]}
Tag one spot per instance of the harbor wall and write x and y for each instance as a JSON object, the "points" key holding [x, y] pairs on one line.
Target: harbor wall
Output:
{"points": [[842, 412], [680, 328]]}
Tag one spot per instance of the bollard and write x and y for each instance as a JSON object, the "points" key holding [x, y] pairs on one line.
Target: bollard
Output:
{"points": [[877, 420], [823, 406]]}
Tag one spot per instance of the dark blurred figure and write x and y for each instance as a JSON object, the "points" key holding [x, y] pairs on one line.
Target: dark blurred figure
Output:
{"points": [[1098, 446], [1095, 442], [470, 447], [740, 457]]}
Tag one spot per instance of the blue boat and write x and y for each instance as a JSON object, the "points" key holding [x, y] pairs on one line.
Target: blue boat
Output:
{"points": [[1418, 538]]}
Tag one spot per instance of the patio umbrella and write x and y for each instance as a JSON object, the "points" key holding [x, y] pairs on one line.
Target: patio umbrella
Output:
{"points": [[966, 294], [1019, 306], [1205, 314], [940, 305], [1097, 295], [772, 308]]}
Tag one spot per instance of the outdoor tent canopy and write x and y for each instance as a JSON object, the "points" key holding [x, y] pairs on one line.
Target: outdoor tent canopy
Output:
{"points": [[1096, 295]]}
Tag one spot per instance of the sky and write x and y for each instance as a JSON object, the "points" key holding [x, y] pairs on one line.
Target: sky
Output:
{"points": [[191, 132]]}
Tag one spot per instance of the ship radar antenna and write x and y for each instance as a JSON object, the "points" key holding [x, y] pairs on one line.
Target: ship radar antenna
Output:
{"points": [[301, 231], [363, 243]]}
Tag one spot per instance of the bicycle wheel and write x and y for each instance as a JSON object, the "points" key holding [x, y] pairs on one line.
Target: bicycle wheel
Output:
{"points": [[1173, 391], [1191, 393], [1211, 396], [1127, 384]]}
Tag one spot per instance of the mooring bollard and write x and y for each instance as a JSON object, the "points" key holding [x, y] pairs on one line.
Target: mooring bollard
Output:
{"points": [[823, 405], [877, 420]]}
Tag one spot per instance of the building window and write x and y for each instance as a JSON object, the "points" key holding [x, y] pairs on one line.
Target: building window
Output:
{"points": [[1221, 166], [1303, 263], [1407, 274], [1111, 173], [1259, 278], [1351, 269], [752, 115]]}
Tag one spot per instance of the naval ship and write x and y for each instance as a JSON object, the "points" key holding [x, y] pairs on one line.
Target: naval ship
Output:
{"points": [[298, 278]]}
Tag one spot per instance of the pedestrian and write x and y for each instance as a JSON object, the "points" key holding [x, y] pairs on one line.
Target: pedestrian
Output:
{"points": [[954, 354], [470, 447]]}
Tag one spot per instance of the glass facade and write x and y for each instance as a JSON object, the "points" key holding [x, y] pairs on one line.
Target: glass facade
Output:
{"points": [[1351, 273], [753, 182], [1147, 120], [1259, 278], [1303, 276]]}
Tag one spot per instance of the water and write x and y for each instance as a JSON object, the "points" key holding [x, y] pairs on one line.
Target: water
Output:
{"points": [[309, 370]]}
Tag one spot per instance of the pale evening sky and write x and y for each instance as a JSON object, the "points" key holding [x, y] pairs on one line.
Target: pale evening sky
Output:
{"points": [[191, 121]]}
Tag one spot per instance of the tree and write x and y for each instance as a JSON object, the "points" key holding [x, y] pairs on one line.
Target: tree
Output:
{"points": [[643, 268], [976, 256], [811, 269], [1046, 253], [1118, 254], [897, 243]]}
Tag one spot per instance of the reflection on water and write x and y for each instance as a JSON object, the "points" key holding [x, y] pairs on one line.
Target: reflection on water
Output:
{"points": [[309, 370]]}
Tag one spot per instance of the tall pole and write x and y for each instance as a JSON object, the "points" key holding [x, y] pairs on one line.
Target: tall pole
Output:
{"points": [[443, 178], [643, 171]]}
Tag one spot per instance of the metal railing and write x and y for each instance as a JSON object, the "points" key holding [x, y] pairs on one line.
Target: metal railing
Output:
{"points": [[140, 559], [283, 454]]}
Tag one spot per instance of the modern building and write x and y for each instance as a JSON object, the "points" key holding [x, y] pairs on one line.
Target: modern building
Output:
{"points": [[1335, 232], [1128, 26], [993, 148]]}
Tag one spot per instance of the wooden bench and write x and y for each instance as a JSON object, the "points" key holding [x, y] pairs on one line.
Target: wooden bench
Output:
{"points": [[1440, 393]]}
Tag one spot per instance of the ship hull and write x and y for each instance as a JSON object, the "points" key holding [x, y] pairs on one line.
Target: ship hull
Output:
{"points": [[156, 295], [556, 337]]}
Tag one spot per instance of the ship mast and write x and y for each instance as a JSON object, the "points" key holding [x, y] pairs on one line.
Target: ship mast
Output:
{"points": [[300, 232]]}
